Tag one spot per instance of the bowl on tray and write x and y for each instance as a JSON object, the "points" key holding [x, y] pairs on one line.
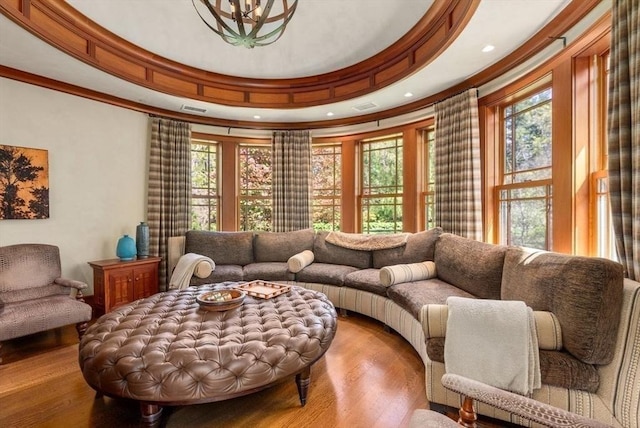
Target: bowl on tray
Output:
{"points": [[220, 300]]}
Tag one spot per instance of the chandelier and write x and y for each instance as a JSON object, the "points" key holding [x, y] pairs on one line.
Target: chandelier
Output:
{"points": [[247, 22]]}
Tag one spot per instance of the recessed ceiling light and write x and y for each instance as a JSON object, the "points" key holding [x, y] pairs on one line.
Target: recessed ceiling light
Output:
{"points": [[488, 48], [408, 94], [256, 116], [330, 114]]}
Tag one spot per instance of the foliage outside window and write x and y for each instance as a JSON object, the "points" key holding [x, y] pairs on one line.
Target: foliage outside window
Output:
{"points": [[205, 179], [428, 199], [326, 164], [381, 185], [255, 187], [525, 193]]}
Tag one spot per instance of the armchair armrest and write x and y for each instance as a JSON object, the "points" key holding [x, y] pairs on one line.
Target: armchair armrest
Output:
{"points": [[72, 283], [525, 407]]}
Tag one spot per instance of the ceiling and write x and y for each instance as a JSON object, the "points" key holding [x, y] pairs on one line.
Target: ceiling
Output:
{"points": [[322, 38]]}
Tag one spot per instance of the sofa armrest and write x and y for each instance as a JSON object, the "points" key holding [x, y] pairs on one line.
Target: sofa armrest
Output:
{"points": [[175, 250], [525, 407]]}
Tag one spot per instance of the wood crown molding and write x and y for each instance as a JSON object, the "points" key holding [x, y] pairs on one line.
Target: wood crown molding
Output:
{"points": [[20, 10], [62, 26]]}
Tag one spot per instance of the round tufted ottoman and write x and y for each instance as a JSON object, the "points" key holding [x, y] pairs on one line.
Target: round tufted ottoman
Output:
{"points": [[165, 350]]}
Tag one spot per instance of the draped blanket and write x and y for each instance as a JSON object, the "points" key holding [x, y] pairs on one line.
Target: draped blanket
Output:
{"points": [[493, 341], [363, 242], [185, 269]]}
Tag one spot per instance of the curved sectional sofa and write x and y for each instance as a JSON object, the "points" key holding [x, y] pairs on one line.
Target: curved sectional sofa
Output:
{"points": [[596, 370]]}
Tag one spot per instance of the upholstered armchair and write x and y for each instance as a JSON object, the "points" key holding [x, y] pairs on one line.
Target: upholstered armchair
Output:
{"points": [[33, 296]]}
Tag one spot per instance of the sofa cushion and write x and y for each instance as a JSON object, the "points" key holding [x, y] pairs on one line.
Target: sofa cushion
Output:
{"points": [[326, 252], [220, 274], [367, 280], [268, 271], [412, 296], [323, 273], [556, 368], [473, 266], [279, 246], [224, 248], [584, 293], [419, 247]]}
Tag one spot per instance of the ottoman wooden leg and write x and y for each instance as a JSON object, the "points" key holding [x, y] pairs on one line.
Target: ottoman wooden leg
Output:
{"points": [[151, 414], [302, 381]]}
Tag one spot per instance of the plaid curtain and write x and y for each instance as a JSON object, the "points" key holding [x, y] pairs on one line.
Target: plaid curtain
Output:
{"points": [[291, 167], [169, 186], [458, 207], [624, 133]]}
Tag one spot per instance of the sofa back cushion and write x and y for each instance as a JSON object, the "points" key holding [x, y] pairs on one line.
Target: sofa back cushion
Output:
{"points": [[224, 248], [280, 246], [473, 266], [325, 252], [419, 247], [27, 271], [584, 293]]}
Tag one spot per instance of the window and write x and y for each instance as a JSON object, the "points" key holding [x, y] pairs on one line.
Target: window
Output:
{"points": [[525, 193], [205, 195], [255, 187], [381, 185], [326, 164], [428, 199]]}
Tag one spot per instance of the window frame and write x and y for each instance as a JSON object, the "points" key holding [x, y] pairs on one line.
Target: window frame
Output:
{"points": [[398, 195], [218, 185]]}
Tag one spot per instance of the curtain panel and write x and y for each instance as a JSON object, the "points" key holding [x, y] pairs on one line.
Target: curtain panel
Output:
{"points": [[458, 207], [624, 133], [169, 186], [291, 167]]}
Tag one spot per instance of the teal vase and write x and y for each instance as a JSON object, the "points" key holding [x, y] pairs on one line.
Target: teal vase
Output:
{"points": [[126, 249]]}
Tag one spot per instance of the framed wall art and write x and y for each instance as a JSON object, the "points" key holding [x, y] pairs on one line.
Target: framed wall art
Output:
{"points": [[24, 183]]}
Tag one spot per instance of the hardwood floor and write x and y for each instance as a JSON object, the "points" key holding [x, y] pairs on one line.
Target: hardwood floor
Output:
{"points": [[368, 378]]}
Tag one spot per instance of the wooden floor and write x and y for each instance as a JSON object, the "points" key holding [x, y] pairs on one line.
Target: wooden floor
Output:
{"points": [[368, 378]]}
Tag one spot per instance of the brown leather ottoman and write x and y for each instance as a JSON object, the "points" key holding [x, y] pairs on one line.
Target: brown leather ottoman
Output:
{"points": [[165, 350]]}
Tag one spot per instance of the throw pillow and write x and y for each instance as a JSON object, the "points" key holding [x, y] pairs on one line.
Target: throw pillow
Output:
{"points": [[299, 261], [396, 274], [203, 269]]}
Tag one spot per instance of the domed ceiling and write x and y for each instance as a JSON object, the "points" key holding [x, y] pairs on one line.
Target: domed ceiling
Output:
{"points": [[337, 62]]}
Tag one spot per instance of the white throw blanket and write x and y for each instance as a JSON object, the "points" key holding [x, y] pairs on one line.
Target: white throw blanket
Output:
{"points": [[493, 341], [184, 269]]}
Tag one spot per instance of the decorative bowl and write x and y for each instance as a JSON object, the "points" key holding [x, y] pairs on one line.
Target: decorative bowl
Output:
{"points": [[220, 300]]}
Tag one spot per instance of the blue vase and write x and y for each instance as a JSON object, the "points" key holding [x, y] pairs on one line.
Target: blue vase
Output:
{"points": [[142, 240], [126, 249]]}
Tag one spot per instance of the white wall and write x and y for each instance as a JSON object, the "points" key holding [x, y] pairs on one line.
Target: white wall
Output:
{"points": [[97, 172]]}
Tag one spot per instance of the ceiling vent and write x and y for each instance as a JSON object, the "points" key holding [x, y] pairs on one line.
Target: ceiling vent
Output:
{"points": [[193, 109], [365, 106]]}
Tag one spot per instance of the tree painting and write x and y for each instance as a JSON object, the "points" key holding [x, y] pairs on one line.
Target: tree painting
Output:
{"points": [[24, 183]]}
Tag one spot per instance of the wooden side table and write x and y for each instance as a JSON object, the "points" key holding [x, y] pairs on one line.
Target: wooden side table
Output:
{"points": [[116, 282]]}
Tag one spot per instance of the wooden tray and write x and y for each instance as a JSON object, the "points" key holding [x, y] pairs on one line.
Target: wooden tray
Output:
{"points": [[263, 289]]}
